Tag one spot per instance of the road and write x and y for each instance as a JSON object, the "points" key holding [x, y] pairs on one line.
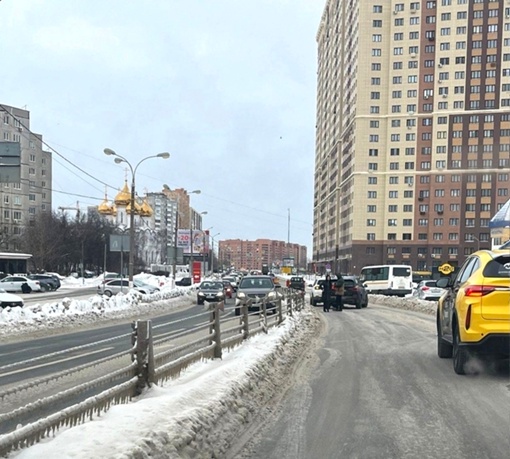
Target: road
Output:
{"points": [[375, 388]]}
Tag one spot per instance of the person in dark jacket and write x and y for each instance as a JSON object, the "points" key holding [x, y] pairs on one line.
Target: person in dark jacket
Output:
{"points": [[327, 293], [339, 293]]}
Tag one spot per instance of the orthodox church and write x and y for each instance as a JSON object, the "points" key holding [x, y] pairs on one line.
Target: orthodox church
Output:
{"points": [[148, 243]]}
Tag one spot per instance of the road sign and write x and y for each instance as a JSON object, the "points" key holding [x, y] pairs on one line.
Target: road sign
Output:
{"points": [[119, 243]]}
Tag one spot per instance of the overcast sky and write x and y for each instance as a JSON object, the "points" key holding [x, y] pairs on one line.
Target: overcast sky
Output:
{"points": [[226, 86]]}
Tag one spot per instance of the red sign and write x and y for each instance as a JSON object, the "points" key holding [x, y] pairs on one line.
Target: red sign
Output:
{"points": [[197, 272]]}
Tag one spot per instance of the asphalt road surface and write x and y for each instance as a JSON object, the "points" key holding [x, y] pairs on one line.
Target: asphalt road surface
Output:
{"points": [[375, 388]]}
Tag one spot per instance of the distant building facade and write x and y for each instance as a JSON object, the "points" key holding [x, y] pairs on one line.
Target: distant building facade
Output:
{"points": [[21, 203], [244, 254]]}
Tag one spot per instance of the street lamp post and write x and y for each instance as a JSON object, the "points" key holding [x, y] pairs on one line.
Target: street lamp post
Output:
{"points": [[474, 238], [191, 243], [212, 252], [120, 159], [177, 214], [204, 234]]}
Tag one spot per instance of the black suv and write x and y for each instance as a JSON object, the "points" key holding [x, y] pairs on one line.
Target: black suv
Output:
{"points": [[47, 281], [354, 292], [184, 282], [297, 282]]}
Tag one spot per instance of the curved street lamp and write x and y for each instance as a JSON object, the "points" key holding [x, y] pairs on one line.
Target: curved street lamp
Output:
{"points": [[120, 159]]}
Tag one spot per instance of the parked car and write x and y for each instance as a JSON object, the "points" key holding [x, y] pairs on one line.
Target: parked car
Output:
{"points": [[318, 287], [297, 282], [256, 288], [428, 290], [18, 283], [114, 286], [228, 289], [10, 300], [47, 281], [184, 282], [354, 292], [473, 316], [211, 291]]}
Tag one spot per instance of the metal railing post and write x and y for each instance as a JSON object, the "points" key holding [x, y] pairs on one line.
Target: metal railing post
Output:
{"points": [[217, 330], [245, 319], [144, 355], [264, 314], [280, 312]]}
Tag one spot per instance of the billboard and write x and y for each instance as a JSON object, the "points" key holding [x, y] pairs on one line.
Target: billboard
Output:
{"points": [[200, 241], [289, 262]]}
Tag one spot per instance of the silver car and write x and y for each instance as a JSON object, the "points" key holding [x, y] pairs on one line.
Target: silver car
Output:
{"points": [[256, 288], [114, 286], [427, 290]]}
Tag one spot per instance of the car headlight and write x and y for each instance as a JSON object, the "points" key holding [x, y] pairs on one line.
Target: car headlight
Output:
{"points": [[272, 295], [201, 294], [241, 295]]}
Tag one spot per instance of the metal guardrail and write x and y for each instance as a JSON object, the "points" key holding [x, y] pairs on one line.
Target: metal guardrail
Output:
{"points": [[223, 330]]}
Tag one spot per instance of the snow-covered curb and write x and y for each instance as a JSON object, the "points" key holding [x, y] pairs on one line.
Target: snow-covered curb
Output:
{"points": [[69, 314], [407, 303]]}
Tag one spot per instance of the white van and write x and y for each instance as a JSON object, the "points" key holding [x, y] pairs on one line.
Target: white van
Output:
{"points": [[387, 279]]}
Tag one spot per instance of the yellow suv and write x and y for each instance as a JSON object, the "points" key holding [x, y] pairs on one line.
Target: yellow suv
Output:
{"points": [[473, 316]]}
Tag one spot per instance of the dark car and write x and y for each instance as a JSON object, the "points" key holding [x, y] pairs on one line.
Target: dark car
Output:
{"points": [[354, 292], [47, 281], [297, 283], [212, 291], [229, 290], [184, 282]]}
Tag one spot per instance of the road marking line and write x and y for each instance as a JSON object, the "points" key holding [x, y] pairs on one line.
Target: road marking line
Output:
{"points": [[56, 361]]}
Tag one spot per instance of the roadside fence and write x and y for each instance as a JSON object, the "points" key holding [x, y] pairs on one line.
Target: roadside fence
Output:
{"points": [[154, 356]]}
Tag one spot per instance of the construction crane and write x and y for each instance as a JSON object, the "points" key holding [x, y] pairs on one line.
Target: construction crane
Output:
{"points": [[77, 208]]}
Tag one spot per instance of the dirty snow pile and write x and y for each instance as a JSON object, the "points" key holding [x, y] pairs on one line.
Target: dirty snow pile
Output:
{"points": [[198, 415], [68, 313], [408, 303]]}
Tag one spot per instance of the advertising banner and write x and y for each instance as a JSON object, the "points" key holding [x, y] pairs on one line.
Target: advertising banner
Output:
{"points": [[197, 272], [200, 241]]}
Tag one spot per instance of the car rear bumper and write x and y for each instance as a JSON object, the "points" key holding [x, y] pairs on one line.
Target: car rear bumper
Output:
{"points": [[493, 344], [391, 292]]}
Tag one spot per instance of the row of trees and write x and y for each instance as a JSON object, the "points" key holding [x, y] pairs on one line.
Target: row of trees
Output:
{"points": [[60, 244]]}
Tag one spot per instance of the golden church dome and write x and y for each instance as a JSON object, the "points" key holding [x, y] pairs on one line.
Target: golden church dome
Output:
{"points": [[123, 198], [105, 208], [146, 209], [138, 208]]}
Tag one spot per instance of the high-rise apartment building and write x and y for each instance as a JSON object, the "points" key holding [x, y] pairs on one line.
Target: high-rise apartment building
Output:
{"points": [[413, 131], [244, 254], [21, 202]]}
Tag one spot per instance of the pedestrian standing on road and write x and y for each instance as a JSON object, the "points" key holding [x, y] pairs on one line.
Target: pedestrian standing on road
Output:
{"points": [[339, 293], [327, 293]]}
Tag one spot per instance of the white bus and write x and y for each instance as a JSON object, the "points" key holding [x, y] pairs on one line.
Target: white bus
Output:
{"points": [[387, 279]]}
